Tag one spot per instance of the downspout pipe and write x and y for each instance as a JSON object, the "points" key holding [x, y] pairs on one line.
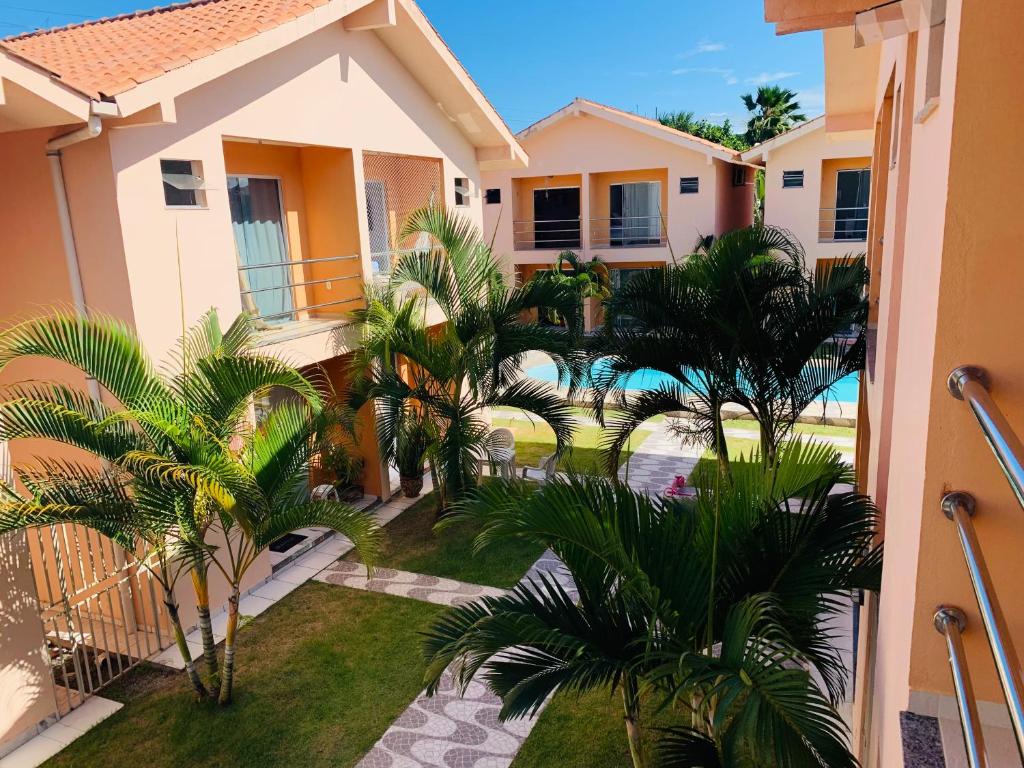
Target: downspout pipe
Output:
{"points": [[54, 147]]}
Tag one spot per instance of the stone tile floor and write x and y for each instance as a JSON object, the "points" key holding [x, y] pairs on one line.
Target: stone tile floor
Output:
{"points": [[432, 589]]}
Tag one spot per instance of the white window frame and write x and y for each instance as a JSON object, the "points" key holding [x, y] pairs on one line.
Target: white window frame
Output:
{"points": [[199, 189]]}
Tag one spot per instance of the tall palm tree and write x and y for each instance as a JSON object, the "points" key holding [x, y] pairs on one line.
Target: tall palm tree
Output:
{"points": [[185, 413], [742, 323], [713, 607], [269, 487], [773, 110], [469, 362]]}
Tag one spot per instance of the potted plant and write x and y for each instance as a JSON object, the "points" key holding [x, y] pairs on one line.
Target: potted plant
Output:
{"points": [[345, 467], [411, 446]]}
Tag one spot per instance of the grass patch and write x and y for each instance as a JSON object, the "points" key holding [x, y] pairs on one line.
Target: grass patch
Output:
{"points": [[413, 545], [322, 675], [537, 440], [584, 732], [826, 430]]}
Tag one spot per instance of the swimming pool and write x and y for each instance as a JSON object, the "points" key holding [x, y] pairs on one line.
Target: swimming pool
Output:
{"points": [[844, 391]]}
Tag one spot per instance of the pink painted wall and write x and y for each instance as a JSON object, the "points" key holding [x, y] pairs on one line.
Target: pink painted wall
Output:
{"points": [[588, 145], [796, 208]]}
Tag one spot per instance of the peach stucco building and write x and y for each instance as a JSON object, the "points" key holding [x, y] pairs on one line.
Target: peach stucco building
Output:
{"points": [[256, 155], [939, 84], [817, 186], [610, 184]]}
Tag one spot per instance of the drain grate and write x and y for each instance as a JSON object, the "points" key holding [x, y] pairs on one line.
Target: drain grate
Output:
{"points": [[286, 542]]}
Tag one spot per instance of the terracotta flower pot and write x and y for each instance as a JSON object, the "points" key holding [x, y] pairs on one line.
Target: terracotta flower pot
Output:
{"points": [[411, 486]]}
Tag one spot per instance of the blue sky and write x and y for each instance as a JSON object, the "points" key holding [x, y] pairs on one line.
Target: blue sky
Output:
{"points": [[533, 56]]}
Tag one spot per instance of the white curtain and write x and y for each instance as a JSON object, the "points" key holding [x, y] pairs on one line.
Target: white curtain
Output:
{"points": [[641, 212]]}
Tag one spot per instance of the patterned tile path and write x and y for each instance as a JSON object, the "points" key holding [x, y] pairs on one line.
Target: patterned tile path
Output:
{"points": [[431, 589], [452, 731], [657, 460]]}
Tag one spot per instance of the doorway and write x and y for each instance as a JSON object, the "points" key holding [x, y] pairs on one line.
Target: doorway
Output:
{"points": [[852, 192], [258, 221], [556, 217]]}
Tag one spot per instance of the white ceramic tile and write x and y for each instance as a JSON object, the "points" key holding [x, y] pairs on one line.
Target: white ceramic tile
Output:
{"points": [[253, 605], [275, 589], [94, 710], [316, 560], [295, 574], [32, 753]]}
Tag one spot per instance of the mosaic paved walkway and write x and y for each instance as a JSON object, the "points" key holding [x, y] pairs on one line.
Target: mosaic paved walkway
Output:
{"points": [[452, 731], [657, 460], [431, 589]]}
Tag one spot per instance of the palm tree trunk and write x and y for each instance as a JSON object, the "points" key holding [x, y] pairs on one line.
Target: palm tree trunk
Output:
{"points": [[631, 704], [228, 675], [179, 638], [202, 589]]}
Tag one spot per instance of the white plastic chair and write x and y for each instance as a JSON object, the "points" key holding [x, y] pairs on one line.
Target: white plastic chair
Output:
{"points": [[501, 451], [544, 472]]}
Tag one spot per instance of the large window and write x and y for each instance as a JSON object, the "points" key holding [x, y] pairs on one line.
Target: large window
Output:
{"points": [[636, 213], [852, 188], [262, 247]]}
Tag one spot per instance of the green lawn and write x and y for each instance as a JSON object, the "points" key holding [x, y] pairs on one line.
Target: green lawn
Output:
{"points": [[585, 732], [321, 675], [537, 440], [800, 428], [413, 545]]}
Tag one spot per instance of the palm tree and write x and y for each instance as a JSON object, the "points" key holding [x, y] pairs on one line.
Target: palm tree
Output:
{"points": [[773, 110], [452, 372], [139, 519], [713, 608], [590, 279], [743, 323], [183, 415], [268, 482]]}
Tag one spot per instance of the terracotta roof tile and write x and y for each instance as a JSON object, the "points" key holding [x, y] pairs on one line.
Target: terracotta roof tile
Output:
{"points": [[109, 56]]}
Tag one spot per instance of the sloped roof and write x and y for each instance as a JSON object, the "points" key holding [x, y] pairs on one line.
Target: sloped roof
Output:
{"points": [[103, 58], [631, 120], [756, 153]]}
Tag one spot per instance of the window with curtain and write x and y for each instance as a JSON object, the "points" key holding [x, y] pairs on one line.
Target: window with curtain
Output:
{"points": [[636, 213], [262, 249]]}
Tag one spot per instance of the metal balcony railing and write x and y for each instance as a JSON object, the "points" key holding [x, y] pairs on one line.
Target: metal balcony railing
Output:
{"points": [[839, 225], [546, 234], [273, 295], [627, 231], [970, 384]]}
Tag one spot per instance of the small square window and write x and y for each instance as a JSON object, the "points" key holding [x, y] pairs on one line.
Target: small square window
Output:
{"points": [[689, 185], [462, 191], [792, 179], [493, 196], [739, 175], [183, 183]]}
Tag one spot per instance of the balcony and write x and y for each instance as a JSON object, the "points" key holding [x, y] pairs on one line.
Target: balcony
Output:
{"points": [[547, 234], [627, 232], [282, 292], [838, 225]]}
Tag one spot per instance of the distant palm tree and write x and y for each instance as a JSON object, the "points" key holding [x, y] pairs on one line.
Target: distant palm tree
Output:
{"points": [[742, 323], [774, 110], [589, 278]]}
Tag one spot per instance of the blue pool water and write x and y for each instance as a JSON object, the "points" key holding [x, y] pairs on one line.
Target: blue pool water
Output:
{"points": [[845, 390]]}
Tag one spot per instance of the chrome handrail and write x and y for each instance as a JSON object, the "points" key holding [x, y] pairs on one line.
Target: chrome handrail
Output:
{"points": [[950, 622], [288, 284], [959, 507], [970, 384]]}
